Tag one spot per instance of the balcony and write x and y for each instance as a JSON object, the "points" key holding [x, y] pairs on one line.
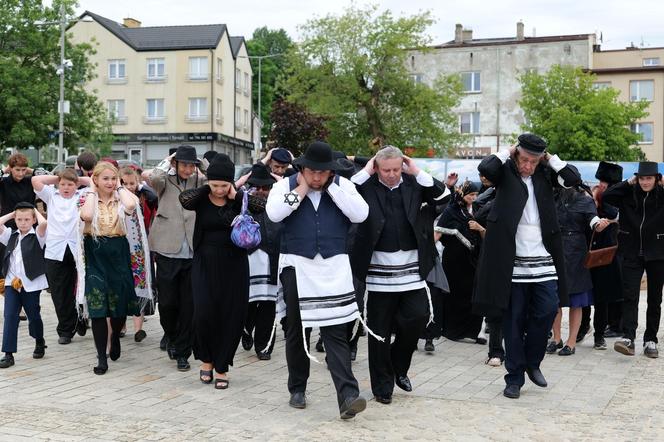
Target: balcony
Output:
{"points": [[197, 77], [116, 80], [119, 120], [245, 129], [196, 118], [154, 119], [219, 119], [220, 79], [155, 79]]}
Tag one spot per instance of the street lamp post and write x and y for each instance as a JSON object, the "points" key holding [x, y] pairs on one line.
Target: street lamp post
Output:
{"points": [[260, 82], [61, 102]]}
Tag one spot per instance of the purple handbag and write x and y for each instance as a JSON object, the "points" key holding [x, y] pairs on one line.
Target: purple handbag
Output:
{"points": [[246, 232]]}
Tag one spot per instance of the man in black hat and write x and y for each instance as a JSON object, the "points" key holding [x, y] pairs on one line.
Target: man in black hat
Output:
{"points": [[316, 208], [278, 160], [640, 201], [263, 265], [171, 238], [394, 257], [521, 270]]}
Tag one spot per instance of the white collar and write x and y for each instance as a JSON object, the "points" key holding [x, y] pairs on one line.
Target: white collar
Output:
{"points": [[394, 187]]}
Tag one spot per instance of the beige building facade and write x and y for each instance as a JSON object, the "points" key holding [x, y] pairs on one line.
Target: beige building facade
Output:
{"points": [[171, 85], [638, 74]]}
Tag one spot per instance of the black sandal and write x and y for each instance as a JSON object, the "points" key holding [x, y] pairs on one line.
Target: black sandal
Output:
{"points": [[205, 374], [220, 383]]}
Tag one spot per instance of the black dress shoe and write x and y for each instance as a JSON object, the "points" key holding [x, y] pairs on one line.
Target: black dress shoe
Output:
{"points": [[611, 333], [536, 376], [81, 327], [140, 335], [64, 340], [319, 345], [403, 382], [582, 333], [163, 344], [247, 341], [512, 391], [383, 399], [428, 345], [172, 354], [39, 350], [351, 406], [102, 365], [298, 400], [7, 361], [264, 356], [183, 364], [114, 352]]}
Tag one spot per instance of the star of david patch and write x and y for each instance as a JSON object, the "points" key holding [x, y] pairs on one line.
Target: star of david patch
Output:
{"points": [[291, 198]]}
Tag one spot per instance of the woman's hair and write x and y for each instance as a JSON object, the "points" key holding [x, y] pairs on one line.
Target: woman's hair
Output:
{"points": [[18, 160], [127, 170], [102, 166]]}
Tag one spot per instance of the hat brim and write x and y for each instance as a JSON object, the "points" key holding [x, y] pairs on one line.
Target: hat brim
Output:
{"points": [[647, 174], [196, 161], [261, 182], [303, 162]]}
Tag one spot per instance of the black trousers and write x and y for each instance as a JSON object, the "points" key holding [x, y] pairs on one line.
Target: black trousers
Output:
{"points": [[406, 315], [260, 320], [335, 339], [526, 323], [176, 305], [496, 349], [632, 273], [434, 330], [61, 277]]}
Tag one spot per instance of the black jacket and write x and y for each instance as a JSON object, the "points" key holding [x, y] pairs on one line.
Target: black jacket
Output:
{"points": [[370, 230], [496, 262], [641, 220]]}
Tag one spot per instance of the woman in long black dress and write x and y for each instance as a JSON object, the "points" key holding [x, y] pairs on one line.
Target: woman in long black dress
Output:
{"points": [[220, 272], [461, 236]]}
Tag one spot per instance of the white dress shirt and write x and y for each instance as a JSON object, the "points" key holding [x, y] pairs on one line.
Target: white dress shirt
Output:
{"points": [[63, 225], [16, 268]]}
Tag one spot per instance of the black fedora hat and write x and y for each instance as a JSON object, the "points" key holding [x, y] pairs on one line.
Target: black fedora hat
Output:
{"points": [[647, 168], [260, 176], [186, 154], [318, 156], [609, 172]]}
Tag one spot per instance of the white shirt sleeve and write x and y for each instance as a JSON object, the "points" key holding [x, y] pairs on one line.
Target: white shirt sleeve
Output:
{"points": [[360, 177], [348, 200], [276, 206], [4, 236], [594, 222], [424, 179], [41, 239], [556, 163], [46, 193]]}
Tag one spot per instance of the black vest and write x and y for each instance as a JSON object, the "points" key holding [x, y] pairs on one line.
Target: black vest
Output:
{"points": [[308, 232], [397, 232], [33, 255]]}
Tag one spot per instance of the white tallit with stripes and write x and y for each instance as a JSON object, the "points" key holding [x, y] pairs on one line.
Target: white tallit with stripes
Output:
{"points": [[260, 288], [394, 272]]}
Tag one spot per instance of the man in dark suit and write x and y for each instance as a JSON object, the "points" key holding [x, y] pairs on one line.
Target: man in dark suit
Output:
{"points": [[395, 257], [521, 270]]}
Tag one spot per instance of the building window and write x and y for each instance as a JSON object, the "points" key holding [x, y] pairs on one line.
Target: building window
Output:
{"points": [[116, 71], [238, 80], [641, 90], [646, 131], [246, 121], [246, 84], [116, 111], [471, 81], [155, 110], [601, 85], [651, 61], [238, 116], [469, 123], [156, 69], [220, 71], [198, 68], [219, 113], [197, 109], [417, 78]]}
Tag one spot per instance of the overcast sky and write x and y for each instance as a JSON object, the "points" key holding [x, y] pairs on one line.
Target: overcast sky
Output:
{"points": [[620, 22]]}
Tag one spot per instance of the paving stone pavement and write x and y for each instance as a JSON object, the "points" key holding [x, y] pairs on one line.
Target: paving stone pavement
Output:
{"points": [[593, 395]]}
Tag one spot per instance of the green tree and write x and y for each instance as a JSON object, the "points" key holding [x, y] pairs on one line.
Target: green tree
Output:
{"points": [[294, 128], [352, 69], [30, 86], [579, 121], [272, 45]]}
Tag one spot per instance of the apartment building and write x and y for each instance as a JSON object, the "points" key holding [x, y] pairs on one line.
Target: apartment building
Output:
{"points": [[169, 85], [489, 112], [638, 73]]}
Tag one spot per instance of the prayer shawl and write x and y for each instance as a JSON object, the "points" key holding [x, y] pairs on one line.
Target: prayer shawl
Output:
{"points": [[138, 248], [259, 276]]}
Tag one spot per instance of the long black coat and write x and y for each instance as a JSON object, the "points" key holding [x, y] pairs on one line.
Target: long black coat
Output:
{"points": [[496, 263], [368, 233]]}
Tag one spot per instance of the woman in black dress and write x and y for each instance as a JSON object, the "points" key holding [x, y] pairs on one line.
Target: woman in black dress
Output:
{"points": [[461, 235], [220, 272]]}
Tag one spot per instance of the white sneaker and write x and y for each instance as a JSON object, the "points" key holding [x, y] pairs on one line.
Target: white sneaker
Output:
{"points": [[650, 349], [494, 362]]}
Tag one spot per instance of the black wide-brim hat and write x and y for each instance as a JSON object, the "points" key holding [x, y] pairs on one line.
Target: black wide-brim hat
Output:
{"points": [[318, 156], [221, 168], [609, 172], [186, 154], [647, 168], [532, 143], [260, 176]]}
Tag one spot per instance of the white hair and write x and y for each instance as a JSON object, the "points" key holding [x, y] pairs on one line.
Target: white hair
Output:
{"points": [[388, 153]]}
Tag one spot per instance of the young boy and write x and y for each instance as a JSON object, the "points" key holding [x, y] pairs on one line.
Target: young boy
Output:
{"points": [[25, 277], [61, 245]]}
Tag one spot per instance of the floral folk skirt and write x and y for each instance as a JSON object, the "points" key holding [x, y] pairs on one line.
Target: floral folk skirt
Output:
{"points": [[109, 283]]}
